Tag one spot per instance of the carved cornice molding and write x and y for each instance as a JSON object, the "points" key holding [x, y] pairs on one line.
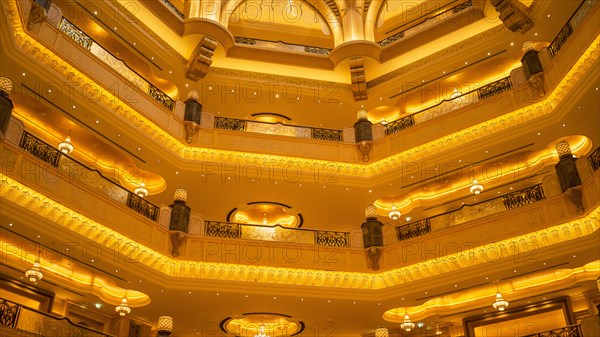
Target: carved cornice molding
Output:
{"points": [[41, 205]]}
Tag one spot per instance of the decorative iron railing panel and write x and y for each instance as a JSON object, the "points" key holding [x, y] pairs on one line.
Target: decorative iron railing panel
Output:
{"points": [[413, 230], [9, 313], [34, 322], [327, 134], [115, 63], [462, 7], [232, 124], [399, 125], [594, 159], [568, 331], [142, 206], [494, 88], [40, 149], [281, 45], [74, 33], [523, 197], [160, 97], [173, 9], [317, 50], [222, 230], [331, 239], [391, 39], [560, 39]]}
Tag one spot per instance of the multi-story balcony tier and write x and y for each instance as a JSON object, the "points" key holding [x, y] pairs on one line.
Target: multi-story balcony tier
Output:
{"points": [[288, 132]]}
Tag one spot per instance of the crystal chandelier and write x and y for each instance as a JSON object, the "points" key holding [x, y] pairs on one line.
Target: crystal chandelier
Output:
{"points": [[141, 191], [500, 303], [407, 325], [34, 273], [261, 333], [394, 214], [123, 308], [66, 147], [476, 188]]}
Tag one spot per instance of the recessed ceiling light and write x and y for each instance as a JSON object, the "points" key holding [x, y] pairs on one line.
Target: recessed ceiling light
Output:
{"points": [[116, 270], [548, 15], [512, 43], [381, 98], [98, 305], [115, 28], [134, 43], [564, 125], [74, 106], [535, 34], [10, 224], [489, 53], [97, 122], [24, 75], [158, 160], [539, 133], [301, 299], [49, 90], [466, 62], [276, 95], [328, 301], [38, 236], [217, 294], [408, 218], [370, 191], [274, 297], [139, 149], [514, 271], [95, 261], [119, 135], [176, 172], [246, 296], [187, 85]]}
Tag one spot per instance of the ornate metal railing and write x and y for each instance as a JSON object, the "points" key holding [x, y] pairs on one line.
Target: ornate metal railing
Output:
{"points": [[567, 331], [9, 313], [76, 171], [412, 230], [232, 124], [118, 65], [173, 9], [327, 134], [281, 45], [160, 97], [594, 159], [523, 197], [38, 323], [76, 34], [560, 39], [142, 206], [570, 26], [391, 39], [222, 230], [421, 23], [39, 148], [399, 125], [276, 233], [331, 239], [494, 88], [235, 124]]}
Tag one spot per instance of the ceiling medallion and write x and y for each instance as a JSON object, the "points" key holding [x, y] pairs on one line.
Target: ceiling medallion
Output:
{"points": [[262, 324], [266, 213]]}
